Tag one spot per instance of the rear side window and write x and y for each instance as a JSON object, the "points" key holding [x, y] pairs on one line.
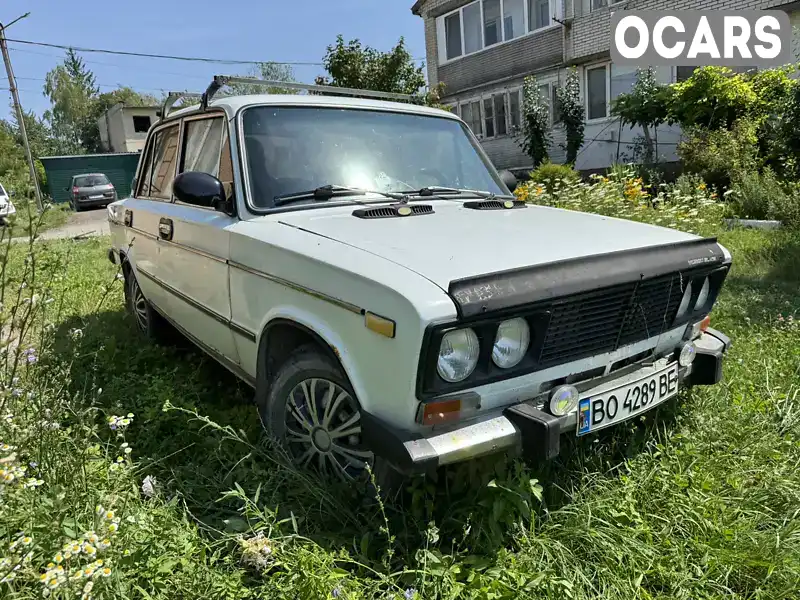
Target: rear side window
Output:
{"points": [[159, 169]]}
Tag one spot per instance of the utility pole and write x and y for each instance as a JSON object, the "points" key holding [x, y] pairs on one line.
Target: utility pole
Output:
{"points": [[20, 118]]}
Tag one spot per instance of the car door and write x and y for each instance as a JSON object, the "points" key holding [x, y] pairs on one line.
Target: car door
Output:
{"points": [[144, 211], [194, 242]]}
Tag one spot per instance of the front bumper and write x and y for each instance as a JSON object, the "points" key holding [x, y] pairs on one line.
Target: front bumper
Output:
{"points": [[526, 426]]}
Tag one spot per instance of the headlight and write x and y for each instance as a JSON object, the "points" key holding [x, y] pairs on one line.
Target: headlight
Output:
{"points": [[511, 343], [458, 355], [684, 306], [703, 297]]}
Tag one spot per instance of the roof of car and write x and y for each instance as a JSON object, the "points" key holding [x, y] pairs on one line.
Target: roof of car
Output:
{"points": [[232, 104]]}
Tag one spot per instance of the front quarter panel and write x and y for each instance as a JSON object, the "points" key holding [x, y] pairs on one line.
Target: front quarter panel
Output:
{"points": [[292, 274]]}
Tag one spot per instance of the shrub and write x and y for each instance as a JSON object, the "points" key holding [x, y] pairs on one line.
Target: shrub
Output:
{"points": [[552, 175], [572, 113], [536, 136], [645, 106], [751, 194], [718, 155], [712, 98]]}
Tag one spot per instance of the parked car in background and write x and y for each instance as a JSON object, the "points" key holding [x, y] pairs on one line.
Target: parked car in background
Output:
{"points": [[366, 269], [6, 207], [91, 190]]}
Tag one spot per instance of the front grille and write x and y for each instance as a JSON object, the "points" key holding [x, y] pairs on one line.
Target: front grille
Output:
{"points": [[603, 320]]}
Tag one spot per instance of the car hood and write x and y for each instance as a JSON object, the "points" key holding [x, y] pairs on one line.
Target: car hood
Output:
{"points": [[456, 242]]}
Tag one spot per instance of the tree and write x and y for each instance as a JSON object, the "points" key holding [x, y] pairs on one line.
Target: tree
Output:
{"points": [[646, 106], [268, 71], [572, 113], [536, 135], [355, 66], [71, 88]]}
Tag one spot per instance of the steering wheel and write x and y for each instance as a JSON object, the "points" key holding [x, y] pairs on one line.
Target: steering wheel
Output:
{"points": [[437, 176]]}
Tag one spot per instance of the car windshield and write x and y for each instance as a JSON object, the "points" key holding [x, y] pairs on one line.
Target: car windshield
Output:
{"points": [[296, 149], [91, 180]]}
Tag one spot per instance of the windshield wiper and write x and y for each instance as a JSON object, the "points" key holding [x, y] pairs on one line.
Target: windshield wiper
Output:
{"points": [[435, 190], [326, 192]]}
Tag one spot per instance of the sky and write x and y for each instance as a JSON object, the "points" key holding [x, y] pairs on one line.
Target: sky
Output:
{"points": [[269, 30]]}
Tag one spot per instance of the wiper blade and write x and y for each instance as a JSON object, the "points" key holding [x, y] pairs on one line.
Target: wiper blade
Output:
{"points": [[326, 192], [435, 190]]}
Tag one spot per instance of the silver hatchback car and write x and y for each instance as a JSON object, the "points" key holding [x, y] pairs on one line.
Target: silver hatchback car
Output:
{"points": [[91, 189]]}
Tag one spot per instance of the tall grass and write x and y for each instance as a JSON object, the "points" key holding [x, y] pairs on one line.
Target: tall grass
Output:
{"points": [[151, 460]]}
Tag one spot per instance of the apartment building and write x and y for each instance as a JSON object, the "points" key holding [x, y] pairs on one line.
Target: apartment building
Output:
{"points": [[482, 50]]}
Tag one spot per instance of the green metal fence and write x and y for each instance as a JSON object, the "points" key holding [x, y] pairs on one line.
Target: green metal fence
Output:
{"points": [[119, 168]]}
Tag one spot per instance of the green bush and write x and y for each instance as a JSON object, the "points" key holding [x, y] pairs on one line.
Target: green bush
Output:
{"points": [[551, 175], [717, 155], [752, 192]]}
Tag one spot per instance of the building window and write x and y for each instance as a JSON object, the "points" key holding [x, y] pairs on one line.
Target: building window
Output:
{"points": [[471, 115], [597, 4], [684, 73], [472, 28], [492, 26], [500, 113], [484, 23], [596, 92], [622, 80], [538, 14], [452, 27], [488, 117], [513, 19], [514, 110], [141, 124]]}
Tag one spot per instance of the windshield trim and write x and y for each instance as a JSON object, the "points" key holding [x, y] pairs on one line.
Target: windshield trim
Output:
{"points": [[244, 168]]}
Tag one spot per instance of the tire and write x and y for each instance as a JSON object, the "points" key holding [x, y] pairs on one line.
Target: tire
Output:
{"points": [[311, 410], [146, 319]]}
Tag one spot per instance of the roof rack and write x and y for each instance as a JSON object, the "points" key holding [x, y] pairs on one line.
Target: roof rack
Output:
{"points": [[220, 81], [172, 98]]}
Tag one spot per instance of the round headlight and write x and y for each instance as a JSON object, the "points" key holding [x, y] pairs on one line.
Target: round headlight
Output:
{"points": [[458, 355], [703, 297], [563, 400], [686, 357], [684, 305], [511, 343]]}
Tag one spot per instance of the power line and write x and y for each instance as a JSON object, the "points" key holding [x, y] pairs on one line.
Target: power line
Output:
{"points": [[165, 56], [171, 57]]}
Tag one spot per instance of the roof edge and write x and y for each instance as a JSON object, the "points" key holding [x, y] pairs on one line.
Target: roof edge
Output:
{"points": [[416, 8]]}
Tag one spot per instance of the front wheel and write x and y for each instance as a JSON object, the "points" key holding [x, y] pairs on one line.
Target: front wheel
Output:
{"points": [[311, 410]]}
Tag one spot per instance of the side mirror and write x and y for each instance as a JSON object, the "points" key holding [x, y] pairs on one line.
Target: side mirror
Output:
{"points": [[509, 179], [200, 189]]}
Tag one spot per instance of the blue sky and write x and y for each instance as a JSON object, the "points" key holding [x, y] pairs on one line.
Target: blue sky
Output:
{"points": [[299, 30]]}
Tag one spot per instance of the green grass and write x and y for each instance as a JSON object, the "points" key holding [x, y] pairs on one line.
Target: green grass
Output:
{"points": [[27, 217], [701, 502]]}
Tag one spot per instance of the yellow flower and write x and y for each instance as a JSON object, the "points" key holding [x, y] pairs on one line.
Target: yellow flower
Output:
{"points": [[110, 515], [59, 558]]}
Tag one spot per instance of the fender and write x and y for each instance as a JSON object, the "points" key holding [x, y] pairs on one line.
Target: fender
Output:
{"points": [[318, 329]]}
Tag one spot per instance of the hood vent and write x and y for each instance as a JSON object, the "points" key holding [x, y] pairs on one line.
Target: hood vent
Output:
{"points": [[494, 204], [393, 211]]}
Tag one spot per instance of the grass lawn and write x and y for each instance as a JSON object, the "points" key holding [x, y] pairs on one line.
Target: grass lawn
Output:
{"points": [[703, 502], [27, 216]]}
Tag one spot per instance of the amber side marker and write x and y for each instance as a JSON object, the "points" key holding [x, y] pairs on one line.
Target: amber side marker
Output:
{"points": [[379, 324]]}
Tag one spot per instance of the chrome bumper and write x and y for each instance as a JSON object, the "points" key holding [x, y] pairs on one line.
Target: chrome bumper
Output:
{"points": [[512, 429]]}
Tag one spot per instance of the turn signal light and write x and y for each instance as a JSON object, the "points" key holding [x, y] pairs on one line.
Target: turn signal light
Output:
{"points": [[435, 413], [705, 323]]}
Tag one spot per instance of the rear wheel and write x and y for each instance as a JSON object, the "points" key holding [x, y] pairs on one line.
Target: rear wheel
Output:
{"points": [[311, 410], [149, 323]]}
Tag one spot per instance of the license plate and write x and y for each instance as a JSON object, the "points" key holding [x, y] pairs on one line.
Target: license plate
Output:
{"points": [[96, 197], [612, 407]]}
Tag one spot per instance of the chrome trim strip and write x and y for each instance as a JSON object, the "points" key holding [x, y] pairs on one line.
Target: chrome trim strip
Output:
{"points": [[235, 328], [486, 437], [142, 232], [194, 250], [300, 288]]}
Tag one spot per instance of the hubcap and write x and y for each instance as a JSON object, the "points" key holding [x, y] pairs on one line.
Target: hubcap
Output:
{"points": [[323, 429], [139, 306]]}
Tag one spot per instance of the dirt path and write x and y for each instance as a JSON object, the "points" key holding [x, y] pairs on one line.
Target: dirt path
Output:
{"points": [[86, 223]]}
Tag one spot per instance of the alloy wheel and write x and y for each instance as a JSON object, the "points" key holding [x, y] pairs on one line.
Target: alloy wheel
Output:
{"points": [[139, 305], [323, 429]]}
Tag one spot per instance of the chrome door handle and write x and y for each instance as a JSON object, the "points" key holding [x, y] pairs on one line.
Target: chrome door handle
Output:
{"points": [[165, 229]]}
